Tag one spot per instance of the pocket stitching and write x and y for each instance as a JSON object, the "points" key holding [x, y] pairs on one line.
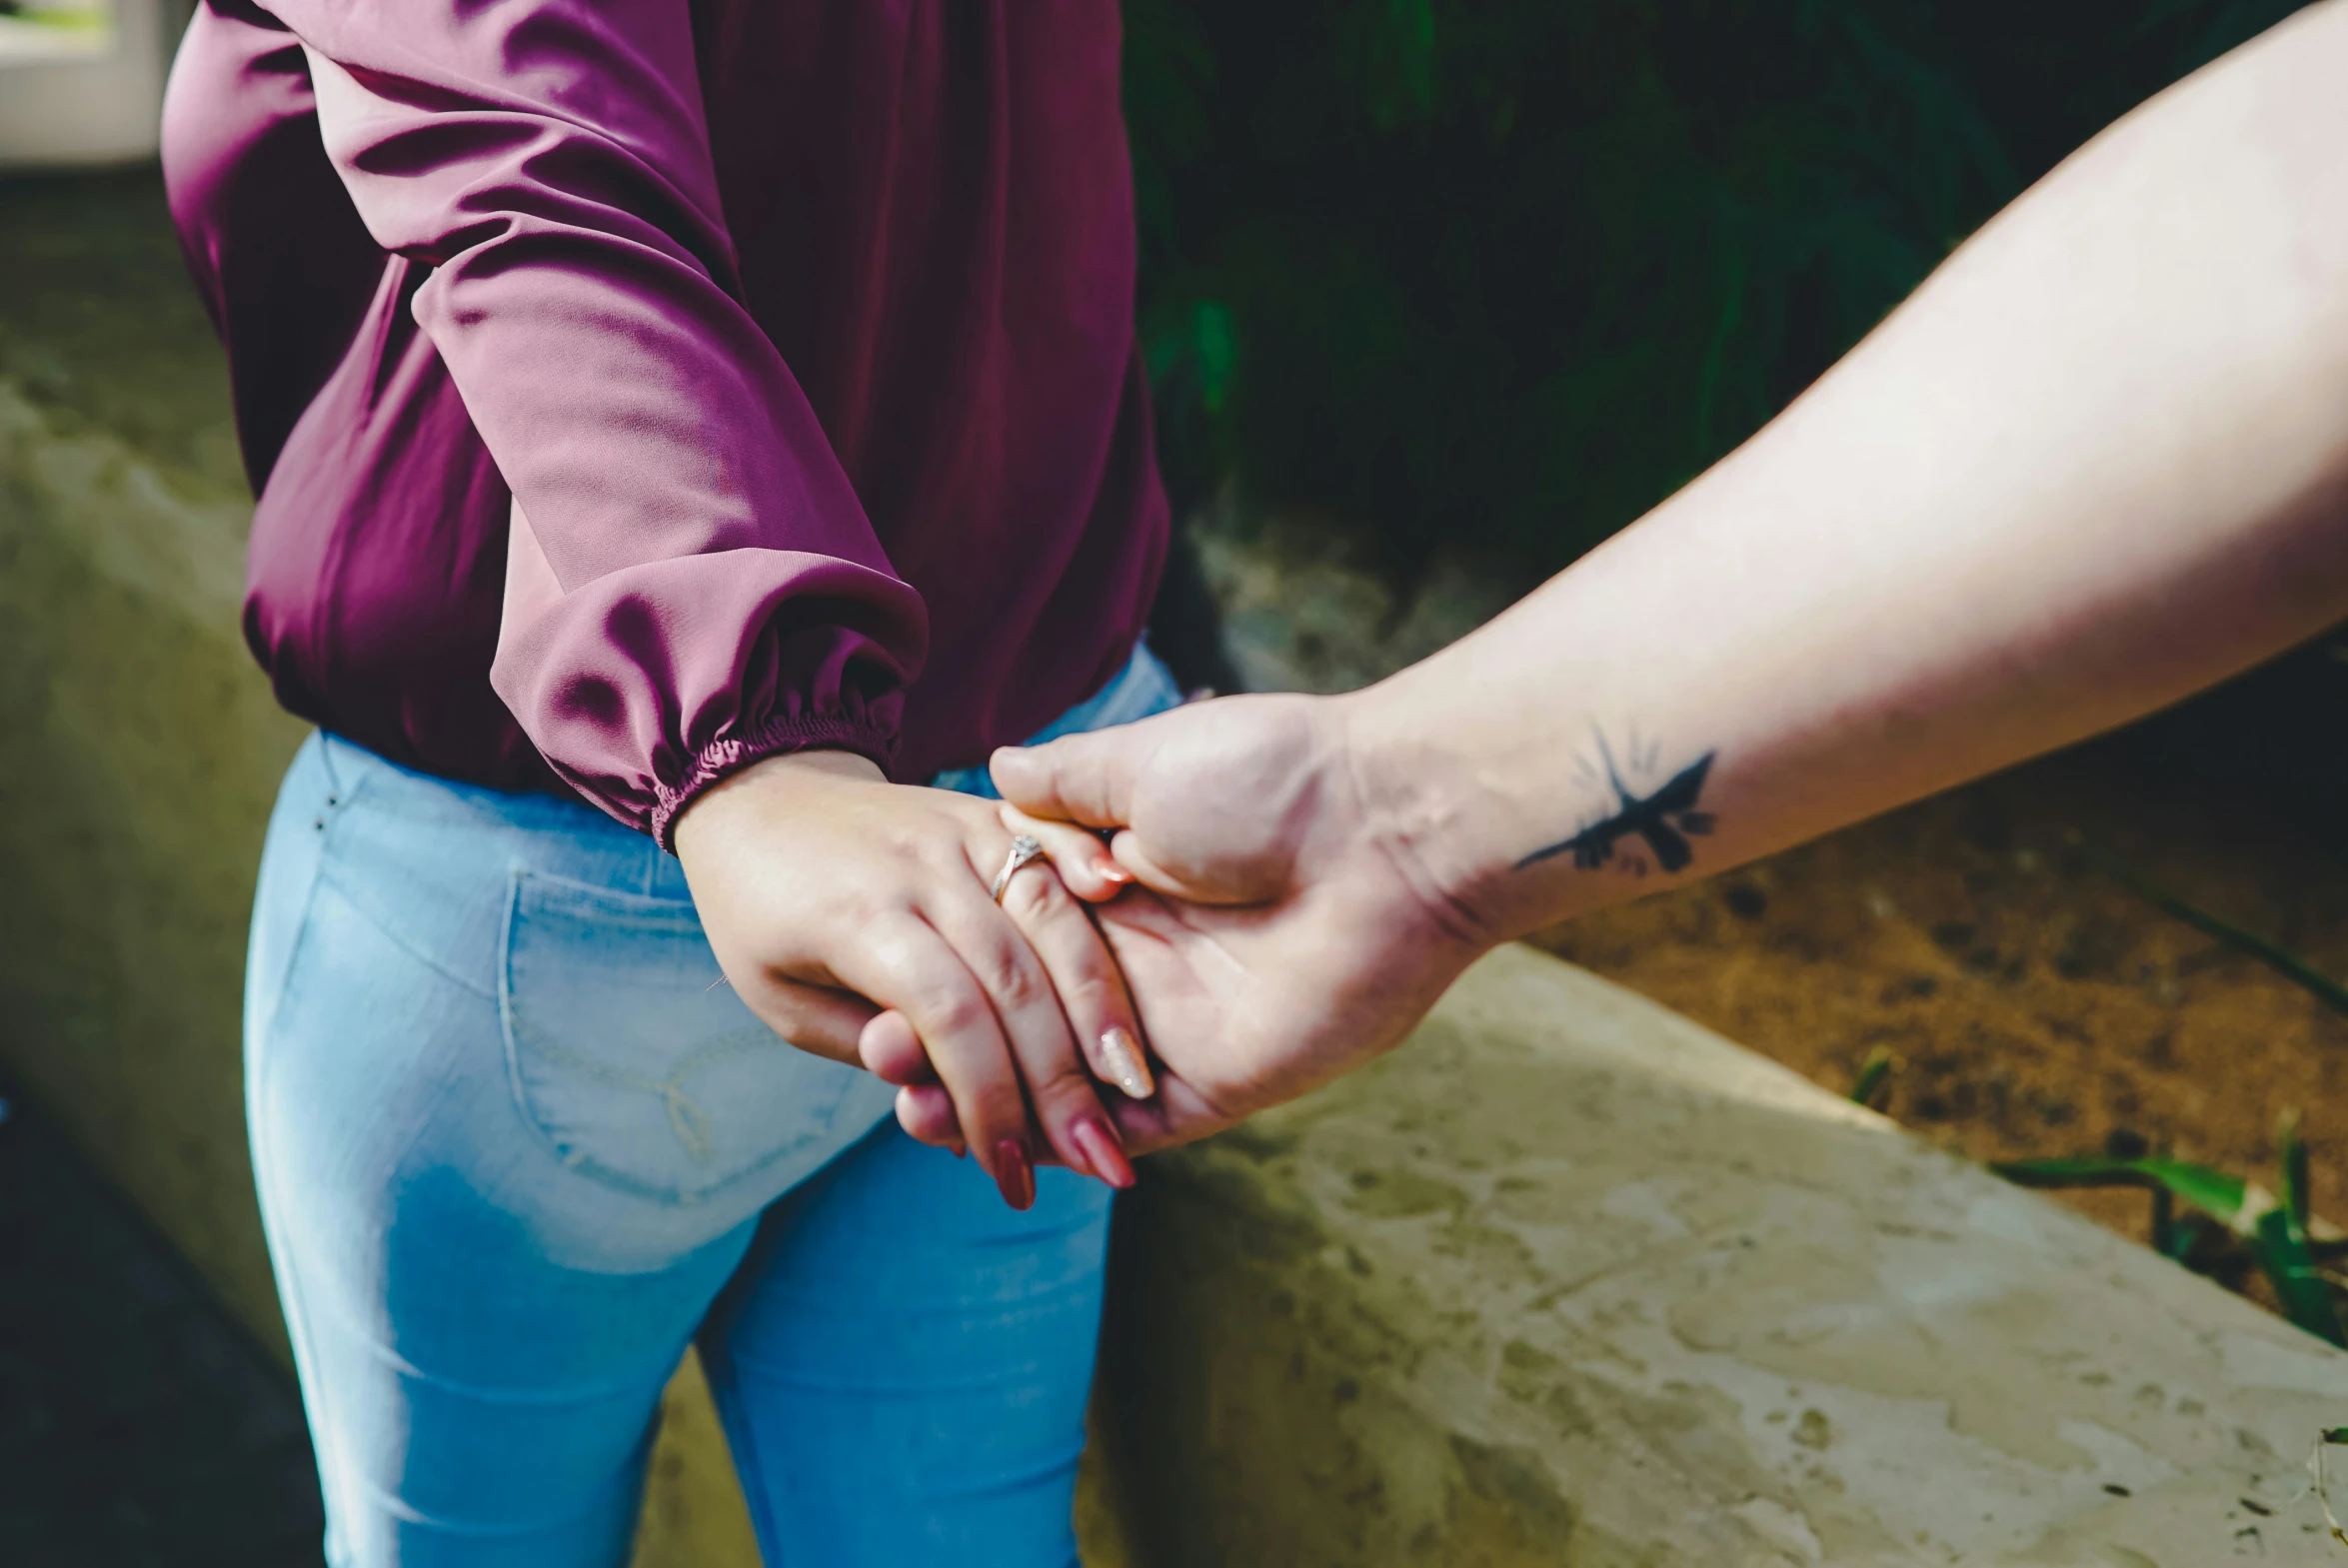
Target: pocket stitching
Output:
{"points": [[680, 1105], [520, 1034]]}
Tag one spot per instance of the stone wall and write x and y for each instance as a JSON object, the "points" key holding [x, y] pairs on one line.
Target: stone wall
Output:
{"points": [[140, 750], [1570, 1280]]}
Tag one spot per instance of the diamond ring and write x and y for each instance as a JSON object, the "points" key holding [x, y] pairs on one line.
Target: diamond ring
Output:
{"points": [[1026, 848]]}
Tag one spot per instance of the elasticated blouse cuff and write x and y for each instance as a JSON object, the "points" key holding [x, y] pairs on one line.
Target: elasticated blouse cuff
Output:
{"points": [[836, 731]]}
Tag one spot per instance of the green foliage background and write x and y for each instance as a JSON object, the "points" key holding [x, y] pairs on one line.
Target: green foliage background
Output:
{"points": [[1504, 272]]}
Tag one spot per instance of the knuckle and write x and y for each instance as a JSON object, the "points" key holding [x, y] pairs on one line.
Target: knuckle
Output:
{"points": [[1090, 1002], [995, 1108], [1068, 1089], [1012, 981], [895, 942], [1036, 894], [942, 857], [958, 1011]]}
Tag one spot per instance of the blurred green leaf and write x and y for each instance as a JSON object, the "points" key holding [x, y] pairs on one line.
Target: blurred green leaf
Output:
{"points": [[2299, 1285], [1880, 1066], [2291, 1155], [2184, 1235], [2273, 955], [1503, 275], [2284, 1250], [2274, 1226], [2215, 1193]]}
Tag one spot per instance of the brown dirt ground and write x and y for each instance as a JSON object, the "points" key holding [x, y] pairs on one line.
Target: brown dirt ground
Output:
{"points": [[2036, 1006]]}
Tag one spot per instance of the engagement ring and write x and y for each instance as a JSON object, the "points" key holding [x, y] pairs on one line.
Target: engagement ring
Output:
{"points": [[1026, 848]]}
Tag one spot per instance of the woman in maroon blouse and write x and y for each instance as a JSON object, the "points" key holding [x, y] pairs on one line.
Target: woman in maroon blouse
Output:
{"points": [[678, 426]]}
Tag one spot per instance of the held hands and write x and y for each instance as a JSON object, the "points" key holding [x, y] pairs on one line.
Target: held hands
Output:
{"points": [[1255, 918], [854, 918], [1273, 927]]}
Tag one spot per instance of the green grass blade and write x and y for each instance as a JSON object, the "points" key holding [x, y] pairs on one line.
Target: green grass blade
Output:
{"points": [[2291, 1153], [2273, 955], [2212, 1191], [2184, 1237], [2305, 1294], [2165, 1230], [2282, 1244], [1878, 1066]]}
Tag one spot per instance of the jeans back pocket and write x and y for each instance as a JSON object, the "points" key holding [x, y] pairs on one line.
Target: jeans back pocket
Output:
{"points": [[640, 1069]]}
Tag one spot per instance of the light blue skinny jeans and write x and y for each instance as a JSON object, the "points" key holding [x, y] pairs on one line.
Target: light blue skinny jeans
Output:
{"points": [[516, 1147]]}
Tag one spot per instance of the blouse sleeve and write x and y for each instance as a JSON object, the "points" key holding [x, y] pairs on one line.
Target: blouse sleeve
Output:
{"points": [[696, 585]]}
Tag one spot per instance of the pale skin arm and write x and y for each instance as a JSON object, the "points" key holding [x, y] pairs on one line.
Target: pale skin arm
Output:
{"points": [[2098, 461]]}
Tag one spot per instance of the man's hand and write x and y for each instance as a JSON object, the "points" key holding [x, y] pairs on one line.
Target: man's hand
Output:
{"points": [[1279, 935]]}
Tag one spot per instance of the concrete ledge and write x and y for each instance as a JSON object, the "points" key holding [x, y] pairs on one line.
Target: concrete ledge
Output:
{"points": [[142, 751], [1569, 1279]]}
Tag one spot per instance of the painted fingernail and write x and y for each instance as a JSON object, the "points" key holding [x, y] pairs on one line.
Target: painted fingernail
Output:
{"points": [[1099, 1147], [1015, 1174], [1128, 1069], [1110, 871]]}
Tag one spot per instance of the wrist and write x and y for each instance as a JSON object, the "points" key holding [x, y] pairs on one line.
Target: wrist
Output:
{"points": [[818, 761], [1420, 806], [754, 786]]}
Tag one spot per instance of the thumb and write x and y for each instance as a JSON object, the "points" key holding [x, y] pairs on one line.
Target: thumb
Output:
{"points": [[1086, 778]]}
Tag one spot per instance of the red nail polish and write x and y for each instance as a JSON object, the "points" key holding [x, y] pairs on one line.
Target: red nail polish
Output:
{"points": [[1102, 1152], [1015, 1174], [1111, 872]]}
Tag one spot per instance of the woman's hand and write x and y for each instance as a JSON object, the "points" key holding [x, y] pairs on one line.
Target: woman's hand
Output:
{"points": [[852, 917]]}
